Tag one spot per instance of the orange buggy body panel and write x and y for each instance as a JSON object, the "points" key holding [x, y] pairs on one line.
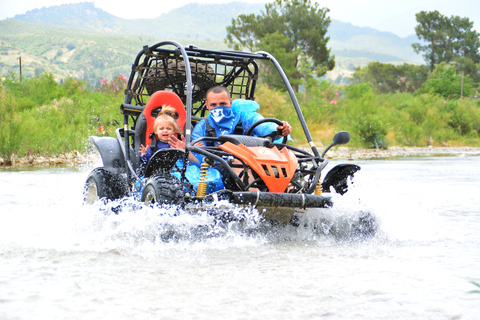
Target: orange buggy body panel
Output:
{"points": [[276, 168]]}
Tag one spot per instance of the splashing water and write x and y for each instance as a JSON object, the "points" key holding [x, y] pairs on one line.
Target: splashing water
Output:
{"points": [[60, 259]]}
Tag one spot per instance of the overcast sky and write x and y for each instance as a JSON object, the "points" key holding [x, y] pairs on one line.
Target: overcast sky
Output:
{"points": [[397, 17]]}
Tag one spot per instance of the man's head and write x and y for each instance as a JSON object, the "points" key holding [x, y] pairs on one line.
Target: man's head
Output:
{"points": [[218, 96]]}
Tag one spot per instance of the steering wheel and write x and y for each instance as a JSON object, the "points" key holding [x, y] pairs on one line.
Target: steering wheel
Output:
{"points": [[259, 122]]}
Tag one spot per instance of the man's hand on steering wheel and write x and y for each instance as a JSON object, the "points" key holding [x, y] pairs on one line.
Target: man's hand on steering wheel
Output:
{"points": [[282, 126], [285, 128]]}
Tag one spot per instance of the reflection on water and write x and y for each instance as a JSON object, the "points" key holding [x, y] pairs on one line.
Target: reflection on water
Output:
{"points": [[59, 259]]}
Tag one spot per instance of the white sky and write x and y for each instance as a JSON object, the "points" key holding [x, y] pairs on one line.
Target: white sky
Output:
{"points": [[397, 17]]}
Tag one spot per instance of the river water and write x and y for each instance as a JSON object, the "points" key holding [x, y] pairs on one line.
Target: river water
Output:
{"points": [[61, 260]]}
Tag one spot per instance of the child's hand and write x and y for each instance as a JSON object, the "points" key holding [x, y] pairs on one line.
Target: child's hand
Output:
{"points": [[175, 143], [142, 150], [199, 144]]}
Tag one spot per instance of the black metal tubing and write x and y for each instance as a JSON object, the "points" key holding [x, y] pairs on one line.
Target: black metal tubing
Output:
{"points": [[129, 109], [223, 163], [128, 99], [289, 200], [301, 118]]}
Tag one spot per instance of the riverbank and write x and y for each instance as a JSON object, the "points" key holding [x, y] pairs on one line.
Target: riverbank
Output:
{"points": [[75, 158], [400, 152]]}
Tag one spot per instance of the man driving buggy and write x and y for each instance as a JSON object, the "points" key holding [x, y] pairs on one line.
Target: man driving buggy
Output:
{"points": [[230, 117]]}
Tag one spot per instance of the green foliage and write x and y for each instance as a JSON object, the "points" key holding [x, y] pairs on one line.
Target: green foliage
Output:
{"points": [[40, 117], [362, 118], [372, 130], [36, 90], [377, 121], [445, 81], [445, 38], [303, 26], [275, 44], [464, 118], [357, 90], [467, 67], [389, 78], [319, 101], [71, 113]]}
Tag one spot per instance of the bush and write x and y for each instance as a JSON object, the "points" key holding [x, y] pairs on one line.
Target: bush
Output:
{"points": [[445, 82], [371, 130], [356, 91], [40, 116], [47, 122]]}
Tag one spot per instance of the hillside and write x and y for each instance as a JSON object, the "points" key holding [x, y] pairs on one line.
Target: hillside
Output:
{"points": [[187, 22], [88, 43], [65, 51]]}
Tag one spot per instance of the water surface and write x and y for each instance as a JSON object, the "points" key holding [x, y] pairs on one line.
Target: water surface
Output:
{"points": [[61, 260]]}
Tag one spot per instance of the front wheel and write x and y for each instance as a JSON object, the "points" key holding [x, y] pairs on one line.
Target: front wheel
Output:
{"points": [[103, 184], [163, 189]]}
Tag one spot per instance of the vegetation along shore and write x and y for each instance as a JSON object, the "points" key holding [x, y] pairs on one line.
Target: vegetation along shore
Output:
{"points": [[390, 110], [75, 158]]}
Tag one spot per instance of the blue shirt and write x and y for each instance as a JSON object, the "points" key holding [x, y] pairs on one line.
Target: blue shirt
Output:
{"points": [[149, 154]]}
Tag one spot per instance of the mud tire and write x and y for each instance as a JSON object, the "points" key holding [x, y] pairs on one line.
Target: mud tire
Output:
{"points": [[102, 184], [163, 189]]}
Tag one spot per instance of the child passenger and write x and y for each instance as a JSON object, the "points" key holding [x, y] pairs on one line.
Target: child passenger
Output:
{"points": [[166, 130], [164, 127]]}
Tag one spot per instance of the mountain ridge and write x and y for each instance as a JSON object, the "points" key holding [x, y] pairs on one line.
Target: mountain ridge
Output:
{"points": [[353, 46]]}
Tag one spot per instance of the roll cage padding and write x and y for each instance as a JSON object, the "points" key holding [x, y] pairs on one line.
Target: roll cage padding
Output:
{"points": [[245, 140], [158, 100]]}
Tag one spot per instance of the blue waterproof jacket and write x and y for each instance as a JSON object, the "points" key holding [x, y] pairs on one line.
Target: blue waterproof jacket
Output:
{"points": [[245, 112]]}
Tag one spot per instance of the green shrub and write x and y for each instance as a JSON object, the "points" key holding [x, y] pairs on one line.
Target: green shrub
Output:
{"points": [[38, 118], [42, 117], [356, 91], [371, 131], [444, 81]]}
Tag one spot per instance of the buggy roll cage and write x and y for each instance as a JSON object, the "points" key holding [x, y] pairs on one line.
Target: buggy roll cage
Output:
{"points": [[157, 57]]}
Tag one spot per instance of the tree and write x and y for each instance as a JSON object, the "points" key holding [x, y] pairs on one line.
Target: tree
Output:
{"points": [[446, 82], [389, 78], [466, 66], [300, 29], [243, 33], [445, 38], [275, 44]]}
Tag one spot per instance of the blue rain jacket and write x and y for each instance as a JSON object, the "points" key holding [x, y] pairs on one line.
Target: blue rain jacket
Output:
{"points": [[241, 110]]}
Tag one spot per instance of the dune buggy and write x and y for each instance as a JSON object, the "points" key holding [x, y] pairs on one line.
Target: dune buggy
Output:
{"points": [[278, 179]]}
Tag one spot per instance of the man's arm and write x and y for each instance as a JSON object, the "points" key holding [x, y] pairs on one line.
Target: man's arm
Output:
{"points": [[199, 131], [266, 128]]}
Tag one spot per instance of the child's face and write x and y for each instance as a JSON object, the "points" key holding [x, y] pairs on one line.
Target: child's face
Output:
{"points": [[164, 130]]}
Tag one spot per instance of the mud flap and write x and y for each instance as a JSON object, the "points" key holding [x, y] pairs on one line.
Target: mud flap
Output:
{"points": [[111, 153], [338, 177], [163, 161]]}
